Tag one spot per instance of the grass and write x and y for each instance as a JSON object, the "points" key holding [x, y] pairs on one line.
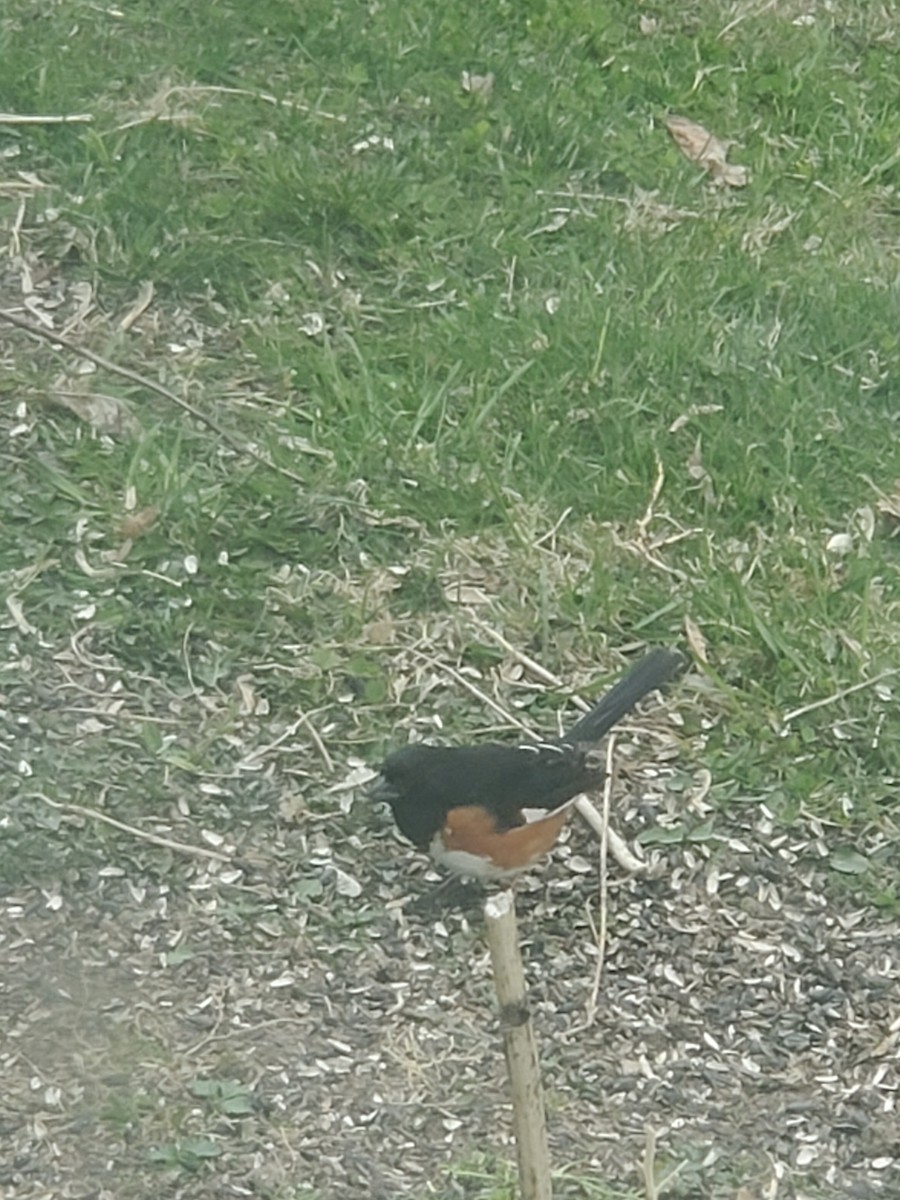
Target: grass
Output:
{"points": [[462, 320]]}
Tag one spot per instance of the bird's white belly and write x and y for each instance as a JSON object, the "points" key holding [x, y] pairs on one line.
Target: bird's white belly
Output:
{"points": [[472, 865]]}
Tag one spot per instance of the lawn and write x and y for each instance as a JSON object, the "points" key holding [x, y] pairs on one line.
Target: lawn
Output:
{"points": [[385, 330]]}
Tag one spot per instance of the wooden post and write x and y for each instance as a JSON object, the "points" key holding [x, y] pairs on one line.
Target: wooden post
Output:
{"points": [[519, 1044]]}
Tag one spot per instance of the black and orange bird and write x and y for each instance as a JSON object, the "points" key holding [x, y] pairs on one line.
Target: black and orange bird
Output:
{"points": [[489, 811]]}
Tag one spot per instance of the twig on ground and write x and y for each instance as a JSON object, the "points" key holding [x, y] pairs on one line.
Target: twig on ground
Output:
{"points": [[520, 656], [620, 851], [58, 339], [475, 690], [644, 523], [260, 752], [600, 934], [242, 1031], [196, 89], [153, 838], [641, 551], [551, 533], [833, 699], [45, 119], [317, 741], [186, 655]]}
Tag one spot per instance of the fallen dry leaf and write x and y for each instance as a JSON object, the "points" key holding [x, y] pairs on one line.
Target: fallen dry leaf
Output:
{"points": [[696, 640], [140, 306], [465, 593], [864, 520], [380, 632], [710, 152], [292, 807], [477, 85], [17, 613], [695, 410], [889, 506], [135, 525], [106, 414]]}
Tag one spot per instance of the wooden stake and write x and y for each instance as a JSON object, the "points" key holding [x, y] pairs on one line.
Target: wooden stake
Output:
{"points": [[519, 1044]]}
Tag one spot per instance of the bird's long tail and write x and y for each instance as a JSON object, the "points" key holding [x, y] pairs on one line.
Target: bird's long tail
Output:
{"points": [[654, 669]]}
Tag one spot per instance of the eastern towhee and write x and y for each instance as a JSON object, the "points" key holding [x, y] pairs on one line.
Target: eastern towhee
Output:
{"points": [[468, 805]]}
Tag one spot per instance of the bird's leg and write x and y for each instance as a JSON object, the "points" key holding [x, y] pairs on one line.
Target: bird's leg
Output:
{"points": [[454, 892]]}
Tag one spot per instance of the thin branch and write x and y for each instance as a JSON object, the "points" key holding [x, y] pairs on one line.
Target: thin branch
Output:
{"points": [[153, 838], [600, 934], [641, 551], [242, 1031], [552, 532], [186, 655], [620, 851], [317, 741], [193, 89], [608, 784], [535, 667], [58, 339], [857, 687], [38, 119], [476, 691], [644, 523], [570, 194], [260, 752]]}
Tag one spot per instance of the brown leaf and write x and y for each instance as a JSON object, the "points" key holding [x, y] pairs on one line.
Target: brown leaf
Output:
{"points": [[141, 304], [380, 632], [292, 807], [710, 152], [695, 410], [696, 640], [477, 85], [889, 506], [135, 525], [106, 414]]}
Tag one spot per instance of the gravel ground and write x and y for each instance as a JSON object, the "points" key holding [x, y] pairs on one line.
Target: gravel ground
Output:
{"points": [[309, 1018]]}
